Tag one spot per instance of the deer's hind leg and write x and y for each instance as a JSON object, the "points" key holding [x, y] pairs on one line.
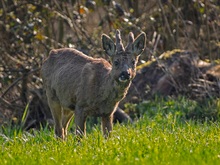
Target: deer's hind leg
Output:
{"points": [[80, 121], [67, 116]]}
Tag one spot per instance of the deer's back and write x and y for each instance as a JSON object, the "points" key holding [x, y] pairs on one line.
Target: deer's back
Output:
{"points": [[68, 73]]}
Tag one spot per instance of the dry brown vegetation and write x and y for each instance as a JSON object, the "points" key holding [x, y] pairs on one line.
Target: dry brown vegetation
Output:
{"points": [[30, 29]]}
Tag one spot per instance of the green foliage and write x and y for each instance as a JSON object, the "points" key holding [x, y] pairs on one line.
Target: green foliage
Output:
{"points": [[180, 108]]}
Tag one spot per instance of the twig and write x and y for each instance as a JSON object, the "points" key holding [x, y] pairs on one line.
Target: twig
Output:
{"points": [[166, 21], [69, 22], [11, 86], [156, 43], [8, 104], [80, 26], [177, 24], [17, 80], [208, 30]]}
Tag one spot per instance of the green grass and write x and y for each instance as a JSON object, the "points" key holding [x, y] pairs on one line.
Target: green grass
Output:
{"points": [[155, 138], [145, 142]]}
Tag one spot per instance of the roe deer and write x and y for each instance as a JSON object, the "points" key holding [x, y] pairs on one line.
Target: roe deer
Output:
{"points": [[89, 86]]}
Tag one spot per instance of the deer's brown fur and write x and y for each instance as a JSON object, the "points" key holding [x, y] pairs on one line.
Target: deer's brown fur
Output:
{"points": [[87, 86]]}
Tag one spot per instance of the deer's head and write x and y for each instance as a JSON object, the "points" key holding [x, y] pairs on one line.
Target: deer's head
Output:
{"points": [[124, 60]]}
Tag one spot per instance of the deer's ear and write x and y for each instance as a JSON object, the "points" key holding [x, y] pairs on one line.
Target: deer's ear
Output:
{"points": [[139, 44], [108, 45]]}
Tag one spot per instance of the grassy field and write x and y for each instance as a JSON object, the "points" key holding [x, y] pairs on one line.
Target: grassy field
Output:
{"points": [[161, 139]]}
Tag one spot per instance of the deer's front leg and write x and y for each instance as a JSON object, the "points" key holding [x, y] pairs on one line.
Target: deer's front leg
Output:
{"points": [[80, 122], [56, 111], [107, 124]]}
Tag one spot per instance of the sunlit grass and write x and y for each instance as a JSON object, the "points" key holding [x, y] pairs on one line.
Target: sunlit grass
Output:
{"points": [[146, 141], [163, 135]]}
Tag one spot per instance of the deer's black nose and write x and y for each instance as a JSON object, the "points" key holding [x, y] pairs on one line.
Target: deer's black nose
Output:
{"points": [[124, 76]]}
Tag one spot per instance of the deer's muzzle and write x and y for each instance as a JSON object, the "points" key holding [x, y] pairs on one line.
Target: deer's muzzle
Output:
{"points": [[124, 76]]}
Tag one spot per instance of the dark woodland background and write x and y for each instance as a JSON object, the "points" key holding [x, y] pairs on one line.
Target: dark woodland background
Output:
{"points": [[29, 29]]}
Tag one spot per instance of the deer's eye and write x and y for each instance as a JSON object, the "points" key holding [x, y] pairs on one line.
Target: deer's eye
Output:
{"points": [[133, 62], [116, 63]]}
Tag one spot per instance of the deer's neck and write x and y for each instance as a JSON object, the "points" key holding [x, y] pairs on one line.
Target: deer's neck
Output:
{"points": [[114, 90]]}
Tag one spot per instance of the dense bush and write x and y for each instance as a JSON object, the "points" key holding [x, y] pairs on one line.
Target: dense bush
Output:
{"points": [[30, 29]]}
